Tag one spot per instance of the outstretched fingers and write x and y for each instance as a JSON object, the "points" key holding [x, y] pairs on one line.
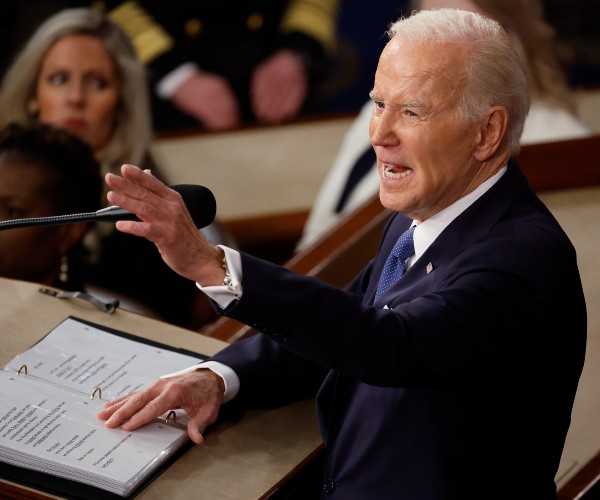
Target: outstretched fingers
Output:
{"points": [[165, 219], [143, 194], [134, 184]]}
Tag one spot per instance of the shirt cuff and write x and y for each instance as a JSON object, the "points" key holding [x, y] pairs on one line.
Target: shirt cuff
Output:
{"points": [[224, 295], [170, 83], [230, 378]]}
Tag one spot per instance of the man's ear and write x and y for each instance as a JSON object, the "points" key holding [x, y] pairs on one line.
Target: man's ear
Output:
{"points": [[491, 133]]}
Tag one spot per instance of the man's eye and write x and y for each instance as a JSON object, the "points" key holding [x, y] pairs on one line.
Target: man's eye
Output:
{"points": [[411, 114], [378, 107]]}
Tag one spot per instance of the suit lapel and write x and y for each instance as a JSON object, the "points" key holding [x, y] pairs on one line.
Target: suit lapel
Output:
{"points": [[466, 229]]}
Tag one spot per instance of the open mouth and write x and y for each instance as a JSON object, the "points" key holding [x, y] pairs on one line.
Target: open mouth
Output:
{"points": [[395, 172]]}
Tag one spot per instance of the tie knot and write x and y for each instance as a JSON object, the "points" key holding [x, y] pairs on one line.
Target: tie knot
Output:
{"points": [[394, 265], [405, 246]]}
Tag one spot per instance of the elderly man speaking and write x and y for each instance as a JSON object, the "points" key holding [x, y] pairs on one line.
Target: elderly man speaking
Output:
{"points": [[448, 369]]}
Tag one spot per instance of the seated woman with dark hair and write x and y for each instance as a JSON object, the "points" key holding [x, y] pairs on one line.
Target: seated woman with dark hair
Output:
{"points": [[45, 171]]}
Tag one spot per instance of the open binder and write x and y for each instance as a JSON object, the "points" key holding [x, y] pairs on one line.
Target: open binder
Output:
{"points": [[52, 392], [242, 459]]}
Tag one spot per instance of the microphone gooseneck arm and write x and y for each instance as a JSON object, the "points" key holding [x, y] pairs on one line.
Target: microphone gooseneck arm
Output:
{"points": [[108, 214], [54, 220], [198, 199]]}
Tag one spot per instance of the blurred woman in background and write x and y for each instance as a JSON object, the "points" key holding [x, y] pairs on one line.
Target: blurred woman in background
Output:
{"points": [[552, 115], [79, 71]]}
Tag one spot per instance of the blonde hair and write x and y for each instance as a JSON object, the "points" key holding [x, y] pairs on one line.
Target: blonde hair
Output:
{"points": [[133, 127], [496, 74]]}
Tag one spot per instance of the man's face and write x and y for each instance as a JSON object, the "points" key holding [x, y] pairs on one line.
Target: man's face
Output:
{"points": [[424, 151]]}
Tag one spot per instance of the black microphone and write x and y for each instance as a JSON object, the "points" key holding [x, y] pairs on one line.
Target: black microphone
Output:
{"points": [[199, 200]]}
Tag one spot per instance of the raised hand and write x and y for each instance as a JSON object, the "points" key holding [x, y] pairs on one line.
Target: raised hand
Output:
{"points": [[166, 222]]}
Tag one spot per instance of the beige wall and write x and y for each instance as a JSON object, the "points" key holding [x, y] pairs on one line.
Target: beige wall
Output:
{"points": [[588, 108], [257, 171]]}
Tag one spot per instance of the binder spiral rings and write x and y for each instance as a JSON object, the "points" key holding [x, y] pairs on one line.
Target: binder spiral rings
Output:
{"points": [[96, 391]]}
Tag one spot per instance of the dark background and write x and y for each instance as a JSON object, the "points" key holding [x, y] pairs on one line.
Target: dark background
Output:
{"points": [[362, 26]]}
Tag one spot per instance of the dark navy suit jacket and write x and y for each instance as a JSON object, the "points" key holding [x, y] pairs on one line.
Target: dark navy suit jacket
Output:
{"points": [[463, 389]]}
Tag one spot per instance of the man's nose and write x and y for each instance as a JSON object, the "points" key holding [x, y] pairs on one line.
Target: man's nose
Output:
{"points": [[382, 131]]}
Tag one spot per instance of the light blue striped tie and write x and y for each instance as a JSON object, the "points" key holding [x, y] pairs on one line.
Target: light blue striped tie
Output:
{"points": [[395, 264]]}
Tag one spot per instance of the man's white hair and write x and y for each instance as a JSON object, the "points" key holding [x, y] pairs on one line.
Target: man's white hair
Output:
{"points": [[496, 73]]}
